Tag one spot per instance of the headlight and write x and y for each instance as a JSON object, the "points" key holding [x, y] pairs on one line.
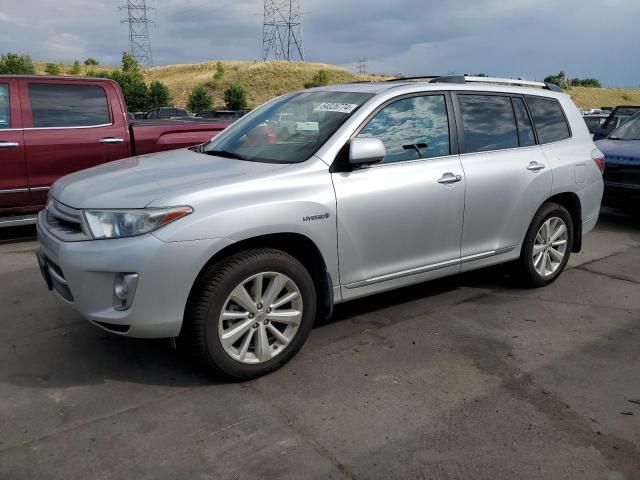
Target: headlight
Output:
{"points": [[129, 223]]}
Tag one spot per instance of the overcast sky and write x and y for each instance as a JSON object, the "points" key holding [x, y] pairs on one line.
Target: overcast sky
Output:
{"points": [[523, 38]]}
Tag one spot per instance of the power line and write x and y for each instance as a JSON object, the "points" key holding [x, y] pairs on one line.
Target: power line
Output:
{"points": [[282, 30], [139, 44]]}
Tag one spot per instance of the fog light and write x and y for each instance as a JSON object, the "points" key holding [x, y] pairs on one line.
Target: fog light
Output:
{"points": [[124, 289]]}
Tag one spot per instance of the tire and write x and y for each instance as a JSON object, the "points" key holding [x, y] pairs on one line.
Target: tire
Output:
{"points": [[204, 325], [535, 274]]}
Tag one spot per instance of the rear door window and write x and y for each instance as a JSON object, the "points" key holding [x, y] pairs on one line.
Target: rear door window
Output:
{"points": [[525, 129], [55, 105], [411, 128], [488, 122], [5, 117], [549, 120]]}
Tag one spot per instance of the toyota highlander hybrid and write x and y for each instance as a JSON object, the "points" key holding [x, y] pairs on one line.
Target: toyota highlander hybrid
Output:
{"points": [[236, 246]]}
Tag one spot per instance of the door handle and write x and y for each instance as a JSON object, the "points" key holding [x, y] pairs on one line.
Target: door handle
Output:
{"points": [[449, 178], [535, 166], [111, 140], [9, 144]]}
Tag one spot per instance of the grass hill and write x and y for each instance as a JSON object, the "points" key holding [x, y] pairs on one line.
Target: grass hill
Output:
{"points": [[265, 80], [261, 80]]}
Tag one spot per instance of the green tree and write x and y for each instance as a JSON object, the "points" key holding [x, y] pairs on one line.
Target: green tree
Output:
{"points": [[129, 63], [76, 68], [15, 64], [91, 62], [134, 88], [200, 99], [235, 97], [159, 95], [52, 69], [559, 79], [320, 79]]}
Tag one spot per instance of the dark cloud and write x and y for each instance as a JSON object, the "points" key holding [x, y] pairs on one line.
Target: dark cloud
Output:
{"points": [[530, 38]]}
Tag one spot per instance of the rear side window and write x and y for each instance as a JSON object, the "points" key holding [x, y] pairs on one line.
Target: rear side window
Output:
{"points": [[548, 119], [488, 123], [412, 128], [5, 118], [525, 129], [55, 105]]}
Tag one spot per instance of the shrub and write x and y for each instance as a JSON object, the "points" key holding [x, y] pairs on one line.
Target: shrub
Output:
{"points": [[129, 63], [91, 62], [52, 69], [219, 75], [320, 79], [15, 64], [159, 95], [76, 69], [235, 97], [200, 99]]}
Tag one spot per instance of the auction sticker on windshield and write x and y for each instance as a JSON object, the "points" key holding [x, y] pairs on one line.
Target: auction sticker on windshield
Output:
{"points": [[336, 107]]}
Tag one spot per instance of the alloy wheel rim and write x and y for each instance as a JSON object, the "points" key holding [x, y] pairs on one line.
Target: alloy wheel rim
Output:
{"points": [[550, 246], [260, 317]]}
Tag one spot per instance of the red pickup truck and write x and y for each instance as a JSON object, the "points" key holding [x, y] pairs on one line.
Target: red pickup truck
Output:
{"points": [[52, 126]]}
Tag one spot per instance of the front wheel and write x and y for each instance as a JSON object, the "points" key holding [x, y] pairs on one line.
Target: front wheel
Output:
{"points": [[250, 313], [547, 245]]}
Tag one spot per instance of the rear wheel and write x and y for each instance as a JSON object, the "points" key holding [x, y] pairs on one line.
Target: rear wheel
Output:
{"points": [[547, 246], [250, 313]]}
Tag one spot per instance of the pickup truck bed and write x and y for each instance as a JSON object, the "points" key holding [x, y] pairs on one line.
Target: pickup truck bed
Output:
{"points": [[53, 126]]}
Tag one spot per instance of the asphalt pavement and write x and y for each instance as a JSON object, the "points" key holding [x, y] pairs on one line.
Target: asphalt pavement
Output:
{"points": [[466, 377]]}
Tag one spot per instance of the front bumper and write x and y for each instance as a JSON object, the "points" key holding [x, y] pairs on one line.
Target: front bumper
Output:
{"points": [[87, 269]]}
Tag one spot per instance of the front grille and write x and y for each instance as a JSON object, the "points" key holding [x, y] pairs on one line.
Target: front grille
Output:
{"points": [[65, 222]]}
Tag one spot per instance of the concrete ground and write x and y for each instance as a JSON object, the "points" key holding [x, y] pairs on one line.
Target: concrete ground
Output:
{"points": [[468, 377]]}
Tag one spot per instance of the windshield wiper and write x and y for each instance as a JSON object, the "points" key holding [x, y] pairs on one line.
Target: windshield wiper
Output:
{"points": [[225, 154]]}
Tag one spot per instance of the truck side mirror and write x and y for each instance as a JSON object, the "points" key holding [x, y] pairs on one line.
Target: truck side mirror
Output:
{"points": [[366, 150]]}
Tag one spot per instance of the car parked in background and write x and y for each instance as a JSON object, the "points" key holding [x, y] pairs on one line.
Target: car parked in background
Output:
{"points": [[238, 245], [617, 117], [166, 113], [230, 115], [622, 174], [52, 126], [594, 121]]}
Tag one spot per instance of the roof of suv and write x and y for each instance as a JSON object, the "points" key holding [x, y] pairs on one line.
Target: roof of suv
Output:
{"points": [[412, 86]]}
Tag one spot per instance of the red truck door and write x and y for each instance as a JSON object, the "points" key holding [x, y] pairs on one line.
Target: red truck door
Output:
{"points": [[70, 125], [14, 184]]}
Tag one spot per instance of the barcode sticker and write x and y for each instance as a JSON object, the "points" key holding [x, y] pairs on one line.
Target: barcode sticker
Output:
{"points": [[336, 107]]}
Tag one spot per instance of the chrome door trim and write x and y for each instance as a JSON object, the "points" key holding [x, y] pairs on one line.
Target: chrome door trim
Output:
{"points": [[428, 268], [56, 128], [490, 253], [9, 144], [39, 189], [15, 190], [111, 140]]}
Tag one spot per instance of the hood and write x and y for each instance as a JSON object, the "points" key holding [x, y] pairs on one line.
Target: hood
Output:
{"points": [[620, 151], [137, 181]]}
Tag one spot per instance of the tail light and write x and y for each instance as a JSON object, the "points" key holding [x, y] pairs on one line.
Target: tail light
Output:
{"points": [[598, 157]]}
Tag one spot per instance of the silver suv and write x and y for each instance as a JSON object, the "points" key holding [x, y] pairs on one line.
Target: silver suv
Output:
{"points": [[238, 245]]}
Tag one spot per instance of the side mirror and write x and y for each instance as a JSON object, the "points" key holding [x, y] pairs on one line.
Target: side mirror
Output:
{"points": [[366, 150]]}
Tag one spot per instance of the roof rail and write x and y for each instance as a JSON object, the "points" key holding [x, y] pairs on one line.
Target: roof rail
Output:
{"points": [[501, 81], [420, 77]]}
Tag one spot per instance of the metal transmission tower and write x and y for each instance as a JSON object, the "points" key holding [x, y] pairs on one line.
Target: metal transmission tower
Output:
{"points": [[139, 44], [282, 30], [362, 66]]}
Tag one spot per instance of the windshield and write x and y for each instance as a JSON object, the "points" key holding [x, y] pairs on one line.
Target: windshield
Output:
{"points": [[630, 130], [288, 130]]}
